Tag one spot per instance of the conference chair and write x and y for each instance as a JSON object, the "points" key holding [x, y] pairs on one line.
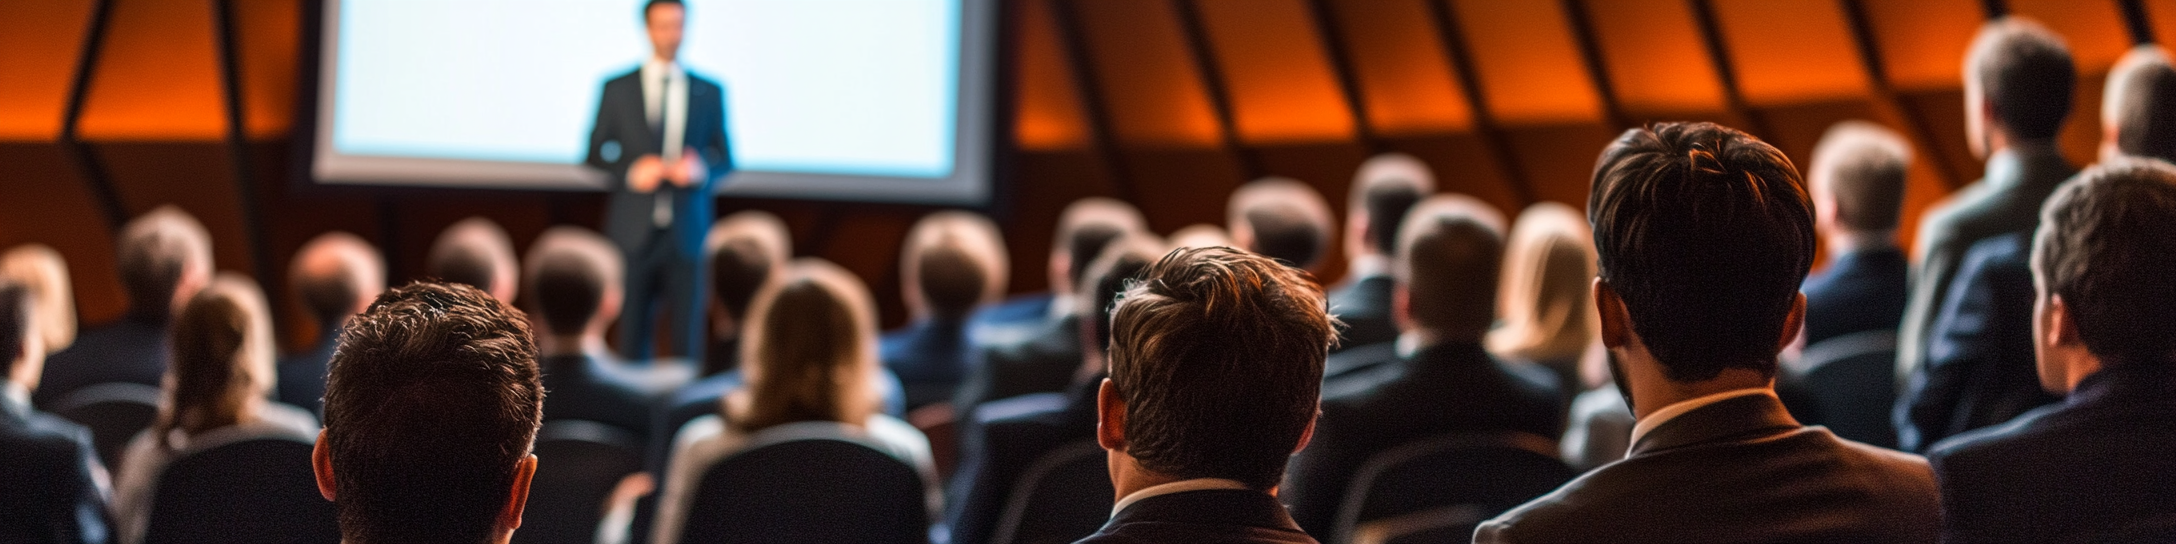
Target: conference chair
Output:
{"points": [[114, 412], [579, 463], [1063, 496], [807, 483], [257, 490], [1851, 382], [1439, 489]]}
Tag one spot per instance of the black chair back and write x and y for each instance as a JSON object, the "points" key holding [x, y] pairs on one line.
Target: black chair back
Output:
{"points": [[114, 412], [1064, 496], [1852, 379], [579, 463], [1441, 489], [257, 490], [808, 490]]}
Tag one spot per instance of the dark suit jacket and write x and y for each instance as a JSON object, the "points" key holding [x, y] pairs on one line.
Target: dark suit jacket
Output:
{"points": [[1739, 470], [2007, 200], [1364, 306], [2092, 468], [1009, 435], [1355, 360], [1028, 309], [302, 375], [49, 494], [1860, 291], [1979, 367], [582, 387], [131, 350], [930, 356], [1216, 516], [622, 133], [1044, 363], [1441, 389]]}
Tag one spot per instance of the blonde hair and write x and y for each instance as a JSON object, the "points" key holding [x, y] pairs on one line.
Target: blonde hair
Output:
{"points": [[1546, 307], [43, 271], [810, 354], [222, 360]]}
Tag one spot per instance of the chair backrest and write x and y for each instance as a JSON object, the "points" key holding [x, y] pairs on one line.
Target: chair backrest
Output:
{"points": [[114, 412], [579, 463], [1440, 489], [1853, 381], [808, 489], [257, 490], [1062, 497]]}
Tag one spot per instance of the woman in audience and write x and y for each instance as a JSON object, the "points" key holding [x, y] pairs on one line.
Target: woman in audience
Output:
{"points": [[810, 359], [1548, 319], [45, 273], [216, 392]]}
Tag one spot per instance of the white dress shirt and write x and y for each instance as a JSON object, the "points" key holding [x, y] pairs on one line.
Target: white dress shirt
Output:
{"points": [[1181, 486], [665, 105]]}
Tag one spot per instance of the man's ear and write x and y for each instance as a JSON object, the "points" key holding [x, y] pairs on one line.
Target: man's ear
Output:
{"points": [[321, 463], [1110, 417], [518, 499], [1308, 434], [1793, 323], [1401, 307], [1616, 324]]}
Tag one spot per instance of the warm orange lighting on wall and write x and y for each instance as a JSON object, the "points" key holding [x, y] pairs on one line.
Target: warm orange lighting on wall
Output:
{"points": [[1788, 51], [1529, 64], [39, 43], [1049, 114], [1405, 77], [1654, 55], [158, 78], [1148, 81], [1272, 60]]}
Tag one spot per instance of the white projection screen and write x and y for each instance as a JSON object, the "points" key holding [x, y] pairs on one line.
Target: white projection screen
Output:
{"points": [[872, 100]]}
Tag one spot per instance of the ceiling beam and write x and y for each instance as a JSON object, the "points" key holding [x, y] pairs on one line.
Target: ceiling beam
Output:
{"points": [[1590, 53], [1452, 38], [1332, 31], [95, 177], [2136, 21], [1088, 84], [1726, 71], [1212, 80], [1884, 96]]}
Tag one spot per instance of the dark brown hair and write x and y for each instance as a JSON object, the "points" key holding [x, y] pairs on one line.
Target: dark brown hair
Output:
{"points": [[2025, 73], [2105, 246], [811, 351], [222, 359]]}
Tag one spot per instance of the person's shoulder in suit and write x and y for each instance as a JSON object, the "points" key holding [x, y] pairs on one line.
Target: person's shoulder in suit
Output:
{"points": [[1364, 307], [581, 387], [129, 350], [52, 493], [1356, 361], [1042, 363], [1011, 434], [302, 376], [1222, 516], [1860, 291]]}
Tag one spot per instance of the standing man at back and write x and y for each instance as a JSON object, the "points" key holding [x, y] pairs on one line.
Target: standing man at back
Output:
{"points": [[1704, 234]]}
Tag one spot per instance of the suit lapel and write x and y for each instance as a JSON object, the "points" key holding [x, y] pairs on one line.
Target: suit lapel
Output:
{"points": [[1732, 419]]}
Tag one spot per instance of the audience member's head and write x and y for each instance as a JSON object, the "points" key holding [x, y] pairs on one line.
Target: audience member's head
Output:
{"points": [[952, 262], [1106, 277], [572, 275], [22, 346], [810, 354], [430, 412], [1449, 255], [745, 250], [476, 252], [1545, 299], [1083, 229], [222, 366], [1385, 188], [1704, 234], [1201, 235], [165, 257], [2138, 107], [2018, 78], [1216, 368], [1857, 184], [1280, 218], [42, 270], [335, 276], [2101, 261]]}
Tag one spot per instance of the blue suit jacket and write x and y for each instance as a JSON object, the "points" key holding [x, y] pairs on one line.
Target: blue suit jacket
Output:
{"points": [[1007, 436], [1979, 367], [302, 375], [622, 133], [1859, 291], [49, 494], [1364, 306], [930, 356]]}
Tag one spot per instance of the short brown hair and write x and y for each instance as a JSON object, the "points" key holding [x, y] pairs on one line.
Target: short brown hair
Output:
{"points": [[1862, 166], [569, 272], [222, 356], [432, 403], [157, 250], [474, 251], [333, 274], [2104, 245], [2025, 73], [1287, 218], [810, 354], [1449, 258], [1218, 355], [953, 261], [2140, 102]]}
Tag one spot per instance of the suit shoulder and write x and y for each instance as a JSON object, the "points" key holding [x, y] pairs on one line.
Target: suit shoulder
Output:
{"points": [[47, 439], [698, 80]]}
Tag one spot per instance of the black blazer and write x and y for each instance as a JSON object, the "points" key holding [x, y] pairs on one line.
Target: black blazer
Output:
{"points": [[1739, 470], [1861, 291], [1980, 369], [1009, 435], [302, 375], [1216, 516], [1044, 363], [930, 356], [49, 495], [581, 387], [132, 350], [2093, 468], [1441, 389], [1364, 306], [622, 133]]}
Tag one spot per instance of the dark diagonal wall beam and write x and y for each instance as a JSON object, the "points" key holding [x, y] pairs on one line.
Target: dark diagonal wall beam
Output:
{"points": [[1087, 83], [1455, 47], [1212, 82], [94, 173], [1332, 31], [1590, 53], [1885, 96], [1726, 71]]}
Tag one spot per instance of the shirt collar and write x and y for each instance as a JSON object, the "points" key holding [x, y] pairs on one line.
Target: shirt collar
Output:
{"points": [[1181, 486], [16, 396], [1667, 413]]}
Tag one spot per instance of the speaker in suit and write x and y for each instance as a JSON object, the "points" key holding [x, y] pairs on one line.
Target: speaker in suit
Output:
{"points": [[1044, 363], [583, 386], [1445, 388], [1009, 435], [660, 231], [51, 494], [1860, 291], [1213, 516], [1979, 367], [1364, 306]]}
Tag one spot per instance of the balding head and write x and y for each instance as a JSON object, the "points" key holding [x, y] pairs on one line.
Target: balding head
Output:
{"points": [[745, 250], [1201, 235], [2019, 76], [573, 276], [1384, 189], [2139, 108], [1280, 218], [953, 261], [1449, 256], [165, 257], [1084, 228], [475, 252], [1857, 178], [336, 275]]}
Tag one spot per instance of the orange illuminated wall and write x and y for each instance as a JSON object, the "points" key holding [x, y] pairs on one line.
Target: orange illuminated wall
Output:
{"points": [[1529, 64], [39, 43], [1148, 81], [1273, 64], [1791, 50], [1654, 55], [1404, 77], [158, 78], [1049, 114]]}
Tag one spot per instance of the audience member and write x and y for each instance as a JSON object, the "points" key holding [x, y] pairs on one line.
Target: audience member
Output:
{"points": [[1704, 235], [163, 257], [430, 413], [1598, 431], [41, 269], [217, 392], [952, 263], [335, 276], [1044, 360], [2135, 112], [1200, 235], [1857, 183], [55, 488], [809, 357], [1216, 372], [572, 276], [2095, 467], [743, 249], [1281, 218], [1081, 224], [1009, 435], [475, 252], [2018, 79], [1385, 188], [1439, 380], [1545, 304]]}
